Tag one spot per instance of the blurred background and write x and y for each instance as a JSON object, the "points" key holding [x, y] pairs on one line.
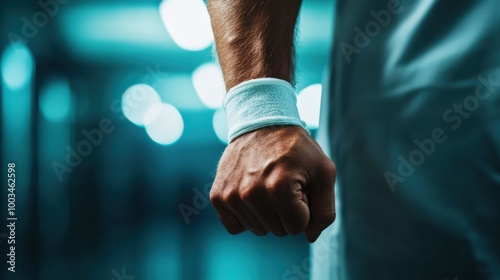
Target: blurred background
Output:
{"points": [[111, 112]]}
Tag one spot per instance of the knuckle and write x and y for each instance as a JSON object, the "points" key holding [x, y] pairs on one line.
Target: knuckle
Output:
{"points": [[328, 169], [331, 168], [215, 198], [278, 184], [249, 193], [272, 188], [229, 197]]}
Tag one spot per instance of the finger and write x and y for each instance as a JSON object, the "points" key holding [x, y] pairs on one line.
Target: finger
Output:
{"points": [[247, 218], [230, 221], [292, 209], [229, 204], [266, 214], [321, 202]]}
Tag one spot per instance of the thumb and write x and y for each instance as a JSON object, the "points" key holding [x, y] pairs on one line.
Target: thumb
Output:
{"points": [[321, 202]]}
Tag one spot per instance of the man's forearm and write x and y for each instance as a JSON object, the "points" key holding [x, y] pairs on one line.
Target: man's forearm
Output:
{"points": [[254, 38], [275, 181]]}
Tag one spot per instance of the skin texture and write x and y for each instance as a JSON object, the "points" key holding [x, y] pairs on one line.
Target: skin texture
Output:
{"points": [[254, 38], [275, 179]]}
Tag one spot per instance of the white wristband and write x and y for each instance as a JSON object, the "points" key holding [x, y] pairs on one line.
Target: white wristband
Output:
{"points": [[260, 103]]}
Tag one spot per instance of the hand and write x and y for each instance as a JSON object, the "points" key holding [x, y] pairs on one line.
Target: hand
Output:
{"points": [[275, 179]]}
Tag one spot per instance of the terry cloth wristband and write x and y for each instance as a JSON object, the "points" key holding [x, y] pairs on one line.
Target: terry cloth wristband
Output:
{"points": [[260, 103]]}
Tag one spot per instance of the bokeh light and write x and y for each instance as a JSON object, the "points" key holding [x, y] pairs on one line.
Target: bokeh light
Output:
{"points": [[219, 122], [309, 104], [188, 23], [55, 100], [136, 100], [209, 85], [164, 123], [17, 65]]}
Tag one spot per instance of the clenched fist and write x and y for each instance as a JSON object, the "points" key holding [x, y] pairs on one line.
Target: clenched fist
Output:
{"points": [[275, 179]]}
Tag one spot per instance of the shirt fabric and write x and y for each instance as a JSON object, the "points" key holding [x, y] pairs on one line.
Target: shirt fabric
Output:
{"points": [[412, 122]]}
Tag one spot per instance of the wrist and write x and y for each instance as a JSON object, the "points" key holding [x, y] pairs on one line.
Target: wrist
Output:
{"points": [[260, 103]]}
